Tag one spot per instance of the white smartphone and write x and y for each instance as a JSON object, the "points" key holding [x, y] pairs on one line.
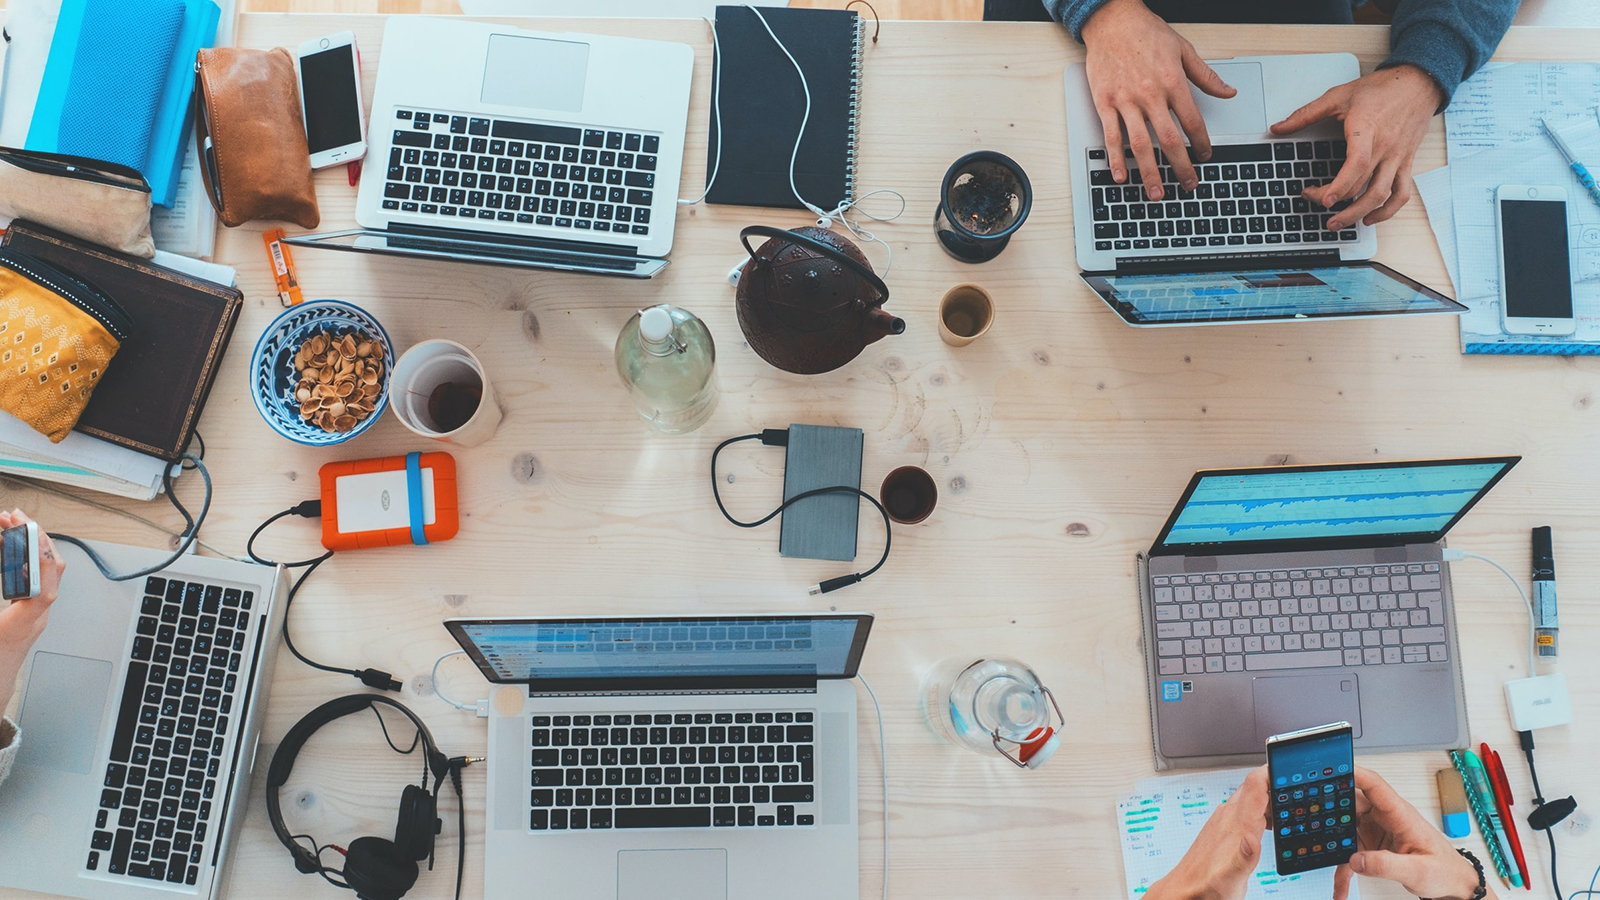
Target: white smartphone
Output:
{"points": [[19, 561], [1535, 263], [330, 99]]}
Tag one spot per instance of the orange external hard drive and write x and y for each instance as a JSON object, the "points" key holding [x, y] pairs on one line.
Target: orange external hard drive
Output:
{"points": [[385, 502]]}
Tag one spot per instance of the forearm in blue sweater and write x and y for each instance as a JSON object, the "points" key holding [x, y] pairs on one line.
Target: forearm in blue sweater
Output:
{"points": [[1448, 39]]}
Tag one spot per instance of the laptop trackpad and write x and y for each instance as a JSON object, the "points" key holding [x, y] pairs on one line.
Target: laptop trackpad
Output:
{"points": [[672, 875], [1291, 702], [61, 712], [1245, 112]]}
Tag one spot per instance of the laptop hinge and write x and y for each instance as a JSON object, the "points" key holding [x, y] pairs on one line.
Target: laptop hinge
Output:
{"points": [[658, 685], [462, 236], [1171, 265]]}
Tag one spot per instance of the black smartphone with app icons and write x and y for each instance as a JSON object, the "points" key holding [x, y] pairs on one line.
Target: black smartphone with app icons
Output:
{"points": [[1311, 773]]}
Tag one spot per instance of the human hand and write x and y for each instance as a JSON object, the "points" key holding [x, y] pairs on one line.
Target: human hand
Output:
{"points": [[23, 621], [1396, 843], [1221, 859], [1385, 116], [1139, 70]]}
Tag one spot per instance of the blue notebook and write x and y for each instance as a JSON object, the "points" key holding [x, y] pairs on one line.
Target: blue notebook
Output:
{"points": [[118, 84]]}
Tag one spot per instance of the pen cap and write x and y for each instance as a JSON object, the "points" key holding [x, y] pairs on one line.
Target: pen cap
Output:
{"points": [[1544, 561]]}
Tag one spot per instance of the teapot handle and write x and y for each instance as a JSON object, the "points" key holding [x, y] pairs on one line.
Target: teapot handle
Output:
{"points": [[866, 273]]}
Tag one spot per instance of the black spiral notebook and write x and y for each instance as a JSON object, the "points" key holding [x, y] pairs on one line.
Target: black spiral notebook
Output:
{"points": [[762, 104]]}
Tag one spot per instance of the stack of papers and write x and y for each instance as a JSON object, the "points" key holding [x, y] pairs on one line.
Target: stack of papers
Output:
{"points": [[1162, 817], [1494, 137]]}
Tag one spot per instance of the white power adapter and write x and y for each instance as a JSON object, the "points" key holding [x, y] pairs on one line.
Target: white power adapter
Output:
{"points": [[1539, 702]]}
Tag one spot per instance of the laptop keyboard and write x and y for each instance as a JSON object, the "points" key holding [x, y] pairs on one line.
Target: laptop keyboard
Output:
{"points": [[680, 770], [165, 754], [461, 167], [1248, 195], [1299, 619]]}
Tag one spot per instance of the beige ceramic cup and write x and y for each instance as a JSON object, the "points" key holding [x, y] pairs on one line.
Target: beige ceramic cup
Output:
{"points": [[421, 371], [965, 313]]}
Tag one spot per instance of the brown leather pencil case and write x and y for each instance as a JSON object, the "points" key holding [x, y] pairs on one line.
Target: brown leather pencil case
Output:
{"points": [[251, 137]]}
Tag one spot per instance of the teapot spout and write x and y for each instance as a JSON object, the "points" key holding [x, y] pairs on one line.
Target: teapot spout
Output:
{"points": [[881, 324]]}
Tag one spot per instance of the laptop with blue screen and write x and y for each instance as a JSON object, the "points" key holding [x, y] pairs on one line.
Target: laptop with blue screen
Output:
{"points": [[671, 757], [1283, 597]]}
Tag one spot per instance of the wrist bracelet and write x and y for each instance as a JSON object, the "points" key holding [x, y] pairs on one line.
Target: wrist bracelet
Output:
{"points": [[1483, 884]]}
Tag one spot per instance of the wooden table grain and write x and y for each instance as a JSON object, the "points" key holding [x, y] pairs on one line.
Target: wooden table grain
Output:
{"points": [[1059, 442]]}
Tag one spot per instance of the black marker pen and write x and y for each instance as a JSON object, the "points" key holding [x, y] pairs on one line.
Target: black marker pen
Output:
{"points": [[1544, 592]]}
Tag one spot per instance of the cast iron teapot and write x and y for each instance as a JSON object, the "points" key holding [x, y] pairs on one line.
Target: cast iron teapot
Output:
{"points": [[808, 300]]}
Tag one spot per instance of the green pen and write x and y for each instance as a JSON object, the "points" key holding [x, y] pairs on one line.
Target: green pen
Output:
{"points": [[1477, 781]]}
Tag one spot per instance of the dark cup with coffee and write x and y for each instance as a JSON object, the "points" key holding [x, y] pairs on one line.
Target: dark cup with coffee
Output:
{"points": [[909, 495]]}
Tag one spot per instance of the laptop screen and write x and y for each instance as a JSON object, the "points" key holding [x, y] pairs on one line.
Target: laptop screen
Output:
{"points": [[536, 651], [1351, 289], [1318, 506]]}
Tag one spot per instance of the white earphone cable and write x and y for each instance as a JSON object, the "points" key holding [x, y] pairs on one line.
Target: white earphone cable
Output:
{"points": [[440, 691], [1533, 655], [883, 757], [716, 112]]}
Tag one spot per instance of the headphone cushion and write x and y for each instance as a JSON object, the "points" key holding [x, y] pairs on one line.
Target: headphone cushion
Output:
{"points": [[376, 869], [417, 823]]}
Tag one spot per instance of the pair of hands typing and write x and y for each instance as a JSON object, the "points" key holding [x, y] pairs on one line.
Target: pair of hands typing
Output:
{"points": [[1395, 843], [1139, 71]]}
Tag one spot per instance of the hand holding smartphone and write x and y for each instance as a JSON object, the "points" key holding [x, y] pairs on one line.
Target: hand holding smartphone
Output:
{"points": [[330, 99], [1535, 262], [1311, 776]]}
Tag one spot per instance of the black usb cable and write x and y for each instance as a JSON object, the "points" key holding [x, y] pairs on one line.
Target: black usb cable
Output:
{"points": [[312, 509], [1546, 815], [779, 437]]}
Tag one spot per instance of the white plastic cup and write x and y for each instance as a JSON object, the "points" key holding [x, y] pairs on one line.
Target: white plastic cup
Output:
{"points": [[420, 371]]}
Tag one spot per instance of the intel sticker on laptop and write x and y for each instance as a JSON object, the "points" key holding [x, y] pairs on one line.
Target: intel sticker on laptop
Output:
{"points": [[1171, 691]]}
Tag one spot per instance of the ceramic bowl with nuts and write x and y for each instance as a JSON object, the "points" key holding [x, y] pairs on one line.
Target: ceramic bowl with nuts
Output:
{"points": [[321, 372]]}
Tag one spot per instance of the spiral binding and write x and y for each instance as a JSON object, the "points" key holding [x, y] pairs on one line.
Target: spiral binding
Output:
{"points": [[855, 111]]}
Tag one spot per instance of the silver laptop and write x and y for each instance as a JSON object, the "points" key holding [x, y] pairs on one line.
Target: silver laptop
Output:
{"points": [[142, 704], [1244, 245], [1279, 598], [673, 758], [497, 145]]}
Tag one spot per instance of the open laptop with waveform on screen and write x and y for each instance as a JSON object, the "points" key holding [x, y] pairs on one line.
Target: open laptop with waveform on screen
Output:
{"points": [[1280, 598]]}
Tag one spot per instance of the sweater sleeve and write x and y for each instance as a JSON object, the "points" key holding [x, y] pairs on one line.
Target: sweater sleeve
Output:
{"points": [[1073, 13], [1448, 39], [10, 740]]}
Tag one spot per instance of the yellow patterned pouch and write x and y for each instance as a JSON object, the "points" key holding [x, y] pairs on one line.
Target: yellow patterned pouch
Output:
{"points": [[57, 336]]}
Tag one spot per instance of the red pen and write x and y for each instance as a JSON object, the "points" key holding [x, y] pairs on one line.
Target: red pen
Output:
{"points": [[1502, 798]]}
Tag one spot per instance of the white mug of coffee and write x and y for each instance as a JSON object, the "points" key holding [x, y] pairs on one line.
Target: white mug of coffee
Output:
{"points": [[439, 391]]}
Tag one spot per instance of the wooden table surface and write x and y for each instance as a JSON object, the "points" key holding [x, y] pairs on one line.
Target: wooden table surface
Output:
{"points": [[1059, 442]]}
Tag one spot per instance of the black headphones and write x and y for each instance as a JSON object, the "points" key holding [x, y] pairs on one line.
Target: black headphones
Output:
{"points": [[375, 868]]}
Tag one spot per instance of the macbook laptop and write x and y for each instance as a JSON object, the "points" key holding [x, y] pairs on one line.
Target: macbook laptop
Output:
{"points": [[497, 145], [142, 704], [672, 758], [1279, 598], [1244, 245]]}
